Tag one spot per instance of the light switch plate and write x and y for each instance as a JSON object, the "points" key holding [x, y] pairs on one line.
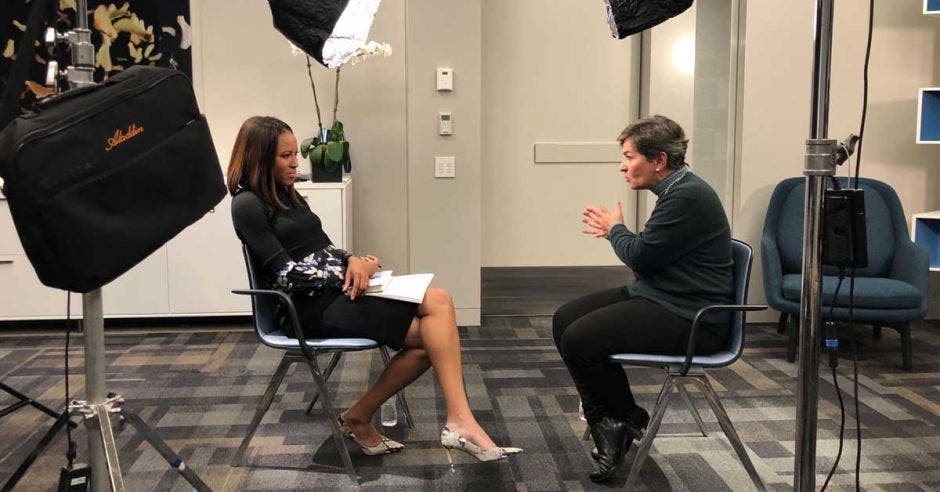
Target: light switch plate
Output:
{"points": [[445, 166]]}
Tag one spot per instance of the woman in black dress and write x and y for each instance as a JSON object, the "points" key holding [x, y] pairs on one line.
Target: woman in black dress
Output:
{"points": [[327, 286]]}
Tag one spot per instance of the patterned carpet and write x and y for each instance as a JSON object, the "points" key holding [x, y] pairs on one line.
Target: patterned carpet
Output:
{"points": [[199, 389]]}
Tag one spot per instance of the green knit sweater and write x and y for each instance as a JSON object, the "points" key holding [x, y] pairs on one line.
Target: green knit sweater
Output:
{"points": [[682, 258]]}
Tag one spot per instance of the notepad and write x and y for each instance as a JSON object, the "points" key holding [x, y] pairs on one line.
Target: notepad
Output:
{"points": [[408, 288], [379, 280]]}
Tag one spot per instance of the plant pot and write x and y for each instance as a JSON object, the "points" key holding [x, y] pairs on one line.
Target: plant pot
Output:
{"points": [[319, 174], [318, 170]]}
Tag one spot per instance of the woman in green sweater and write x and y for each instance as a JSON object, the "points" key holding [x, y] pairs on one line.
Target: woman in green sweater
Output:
{"points": [[682, 262]]}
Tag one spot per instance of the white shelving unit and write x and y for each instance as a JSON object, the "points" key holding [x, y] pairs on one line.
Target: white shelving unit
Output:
{"points": [[925, 230], [931, 7], [928, 115]]}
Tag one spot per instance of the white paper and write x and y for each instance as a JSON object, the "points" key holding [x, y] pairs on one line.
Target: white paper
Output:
{"points": [[408, 288], [378, 281]]}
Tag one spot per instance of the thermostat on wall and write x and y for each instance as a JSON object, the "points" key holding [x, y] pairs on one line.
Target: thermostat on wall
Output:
{"points": [[445, 123], [445, 79]]}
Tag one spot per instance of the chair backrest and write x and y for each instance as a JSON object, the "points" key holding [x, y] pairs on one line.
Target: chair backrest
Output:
{"points": [[743, 257], [884, 219], [263, 308]]}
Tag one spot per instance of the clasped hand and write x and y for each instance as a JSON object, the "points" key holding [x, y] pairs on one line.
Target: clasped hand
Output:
{"points": [[359, 270], [599, 219]]}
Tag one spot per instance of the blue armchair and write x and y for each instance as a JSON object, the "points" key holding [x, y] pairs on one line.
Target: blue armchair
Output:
{"points": [[891, 291]]}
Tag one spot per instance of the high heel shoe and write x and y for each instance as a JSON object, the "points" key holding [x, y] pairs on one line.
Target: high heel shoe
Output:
{"points": [[452, 440], [385, 446]]}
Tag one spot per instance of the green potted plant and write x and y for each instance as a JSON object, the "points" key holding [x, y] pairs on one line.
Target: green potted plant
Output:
{"points": [[328, 150]]}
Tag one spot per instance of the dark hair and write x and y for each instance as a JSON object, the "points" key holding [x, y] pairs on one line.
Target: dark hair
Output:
{"points": [[658, 134], [251, 166]]}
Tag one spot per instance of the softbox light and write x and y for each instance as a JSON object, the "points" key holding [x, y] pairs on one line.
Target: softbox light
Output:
{"points": [[628, 17], [329, 30]]}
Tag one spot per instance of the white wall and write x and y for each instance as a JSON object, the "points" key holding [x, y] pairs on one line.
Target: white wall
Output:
{"points": [[527, 72], [444, 213], [551, 73], [401, 213], [244, 67]]}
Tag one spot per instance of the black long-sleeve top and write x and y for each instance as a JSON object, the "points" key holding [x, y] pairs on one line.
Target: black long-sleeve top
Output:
{"points": [[682, 257], [295, 252]]}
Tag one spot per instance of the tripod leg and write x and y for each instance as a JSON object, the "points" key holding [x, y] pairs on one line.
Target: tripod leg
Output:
{"points": [[168, 454], [18, 474], [110, 449], [25, 400], [326, 377]]}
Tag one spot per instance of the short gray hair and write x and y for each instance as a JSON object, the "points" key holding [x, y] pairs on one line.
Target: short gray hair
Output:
{"points": [[658, 134]]}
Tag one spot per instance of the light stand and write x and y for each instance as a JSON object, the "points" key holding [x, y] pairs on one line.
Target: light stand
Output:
{"points": [[822, 157], [97, 409]]}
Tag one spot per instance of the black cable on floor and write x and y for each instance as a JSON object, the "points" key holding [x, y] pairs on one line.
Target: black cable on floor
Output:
{"points": [[70, 451], [835, 381]]}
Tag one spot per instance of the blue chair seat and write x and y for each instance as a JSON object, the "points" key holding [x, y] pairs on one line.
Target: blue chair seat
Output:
{"points": [[718, 359], [278, 339], [870, 292]]}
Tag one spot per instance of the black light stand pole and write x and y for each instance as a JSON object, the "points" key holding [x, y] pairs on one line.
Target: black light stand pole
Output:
{"points": [[819, 166]]}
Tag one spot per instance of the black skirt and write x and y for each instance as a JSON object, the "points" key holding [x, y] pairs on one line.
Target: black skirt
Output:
{"points": [[332, 315]]}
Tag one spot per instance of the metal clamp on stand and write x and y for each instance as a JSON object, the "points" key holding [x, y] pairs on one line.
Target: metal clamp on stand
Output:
{"points": [[102, 411], [820, 154]]}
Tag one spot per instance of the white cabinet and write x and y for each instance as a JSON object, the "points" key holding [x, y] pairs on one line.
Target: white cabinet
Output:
{"points": [[332, 202], [192, 275], [21, 293], [141, 291], [205, 263]]}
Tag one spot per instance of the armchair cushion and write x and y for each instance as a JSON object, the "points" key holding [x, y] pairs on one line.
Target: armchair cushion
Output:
{"points": [[870, 292]]}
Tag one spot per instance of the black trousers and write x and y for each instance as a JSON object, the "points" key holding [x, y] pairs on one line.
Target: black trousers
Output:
{"points": [[589, 329]]}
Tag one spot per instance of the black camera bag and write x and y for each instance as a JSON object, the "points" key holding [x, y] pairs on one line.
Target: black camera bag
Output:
{"points": [[100, 177]]}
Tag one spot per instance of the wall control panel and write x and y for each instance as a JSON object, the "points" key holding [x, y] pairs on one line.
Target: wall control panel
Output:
{"points": [[445, 123], [445, 79]]}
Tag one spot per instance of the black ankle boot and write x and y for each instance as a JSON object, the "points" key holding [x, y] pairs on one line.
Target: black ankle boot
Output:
{"points": [[612, 440], [638, 420]]}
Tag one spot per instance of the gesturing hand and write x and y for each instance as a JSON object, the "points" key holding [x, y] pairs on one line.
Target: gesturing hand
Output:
{"points": [[599, 219], [358, 272]]}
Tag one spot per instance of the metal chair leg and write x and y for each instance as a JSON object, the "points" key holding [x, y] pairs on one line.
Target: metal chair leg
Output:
{"points": [[646, 443], [400, 397], [266, 400], [326, 377], [334, 420], [692, 409], [725, 422]]}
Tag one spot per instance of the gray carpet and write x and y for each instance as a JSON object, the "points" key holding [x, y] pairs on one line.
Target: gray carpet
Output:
{"points": [[199, 391]]}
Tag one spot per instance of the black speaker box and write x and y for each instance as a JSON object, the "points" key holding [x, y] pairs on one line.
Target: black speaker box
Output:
{"points": [[845, 240]]}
